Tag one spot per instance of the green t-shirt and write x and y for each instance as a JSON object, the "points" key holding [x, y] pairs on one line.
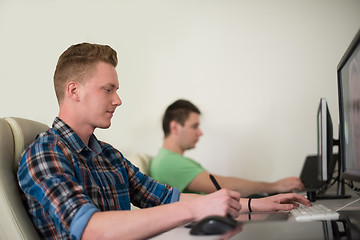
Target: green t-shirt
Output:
{"points": [[174, 169]]}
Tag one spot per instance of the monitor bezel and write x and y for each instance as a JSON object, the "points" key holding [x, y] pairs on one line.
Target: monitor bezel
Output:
{"points": [[349, 174], [322, 140]]}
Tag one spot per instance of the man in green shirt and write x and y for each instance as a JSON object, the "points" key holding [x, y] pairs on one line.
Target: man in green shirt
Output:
{"points": [[175, 169], [181, 125]]}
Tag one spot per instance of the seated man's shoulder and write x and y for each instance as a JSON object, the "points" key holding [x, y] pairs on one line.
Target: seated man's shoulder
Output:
{"points": [[47, 137], [165, 157], [43, 142], [166, 160]]}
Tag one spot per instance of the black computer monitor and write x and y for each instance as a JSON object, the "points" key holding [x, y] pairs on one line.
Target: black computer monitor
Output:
{"points": [[325, 141], [326, 158], [348, 73]]}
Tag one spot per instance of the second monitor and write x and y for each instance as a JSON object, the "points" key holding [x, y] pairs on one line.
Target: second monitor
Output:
{"points": [[327, 160]]}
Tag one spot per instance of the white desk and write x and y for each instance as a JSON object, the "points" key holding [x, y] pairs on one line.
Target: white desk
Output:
{"points": [[277, 228]]}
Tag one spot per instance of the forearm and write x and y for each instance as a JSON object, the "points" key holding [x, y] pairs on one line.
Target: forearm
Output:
{"points": [[137, 224], [245, 187], [278, 202], [244, 205], [202, 183]]}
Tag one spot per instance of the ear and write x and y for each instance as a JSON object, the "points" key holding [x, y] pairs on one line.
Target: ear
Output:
{"points": [[174, 127], [72, 91]]}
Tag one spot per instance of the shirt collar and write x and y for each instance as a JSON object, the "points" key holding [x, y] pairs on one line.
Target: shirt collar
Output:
{"points": [[73, 140]]}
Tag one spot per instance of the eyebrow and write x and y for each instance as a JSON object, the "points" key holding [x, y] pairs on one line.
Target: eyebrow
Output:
{"points": [[111, 85], [195, 124]]}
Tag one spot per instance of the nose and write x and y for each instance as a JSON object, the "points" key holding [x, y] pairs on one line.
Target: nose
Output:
{"points": [[117, 101], [200, 132]]}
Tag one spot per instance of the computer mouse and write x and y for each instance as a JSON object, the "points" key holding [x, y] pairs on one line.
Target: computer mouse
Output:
{"points": [[213, 225]]}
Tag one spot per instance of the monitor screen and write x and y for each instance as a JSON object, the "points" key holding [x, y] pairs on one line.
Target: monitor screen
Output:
{"points": [[349, 107]]}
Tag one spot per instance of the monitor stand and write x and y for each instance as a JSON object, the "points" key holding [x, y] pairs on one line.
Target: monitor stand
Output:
{"points": [[340, 191]]}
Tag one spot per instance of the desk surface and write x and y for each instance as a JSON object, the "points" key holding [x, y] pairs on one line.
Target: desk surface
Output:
{"points": [[273, 226]]}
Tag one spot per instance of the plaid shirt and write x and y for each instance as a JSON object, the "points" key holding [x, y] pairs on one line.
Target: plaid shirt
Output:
{"points": [[65, 182]]}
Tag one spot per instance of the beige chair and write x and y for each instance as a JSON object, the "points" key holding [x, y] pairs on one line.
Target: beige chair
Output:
{"points": [[15, 135], [142, 161]]}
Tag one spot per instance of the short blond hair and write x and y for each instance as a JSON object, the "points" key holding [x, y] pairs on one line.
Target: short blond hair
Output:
{"points": [[78, 62]]}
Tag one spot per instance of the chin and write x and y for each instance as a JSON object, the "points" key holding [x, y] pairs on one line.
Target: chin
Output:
{"points": [[104, 125], [190, 147]]}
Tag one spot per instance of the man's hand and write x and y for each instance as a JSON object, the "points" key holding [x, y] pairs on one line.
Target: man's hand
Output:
{"points": [[223, 202], [279, 202], [288, 184]]}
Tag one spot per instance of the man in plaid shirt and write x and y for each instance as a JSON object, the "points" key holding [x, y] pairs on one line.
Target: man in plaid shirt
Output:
{"points": [[77, 187]]}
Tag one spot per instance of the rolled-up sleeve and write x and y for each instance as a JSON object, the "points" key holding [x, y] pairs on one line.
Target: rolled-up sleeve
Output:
{"points": [[176, 195], [81, 219]]}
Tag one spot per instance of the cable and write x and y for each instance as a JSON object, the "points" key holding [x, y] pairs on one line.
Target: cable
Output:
{"points": [[348, 204], [351, 185]]}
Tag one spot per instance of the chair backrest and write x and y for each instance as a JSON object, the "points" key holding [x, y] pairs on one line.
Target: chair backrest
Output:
{"points": [[15, 135], [142, 161]]}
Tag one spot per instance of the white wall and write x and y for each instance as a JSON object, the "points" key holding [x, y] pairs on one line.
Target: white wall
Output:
{"points": [[256, 69]]}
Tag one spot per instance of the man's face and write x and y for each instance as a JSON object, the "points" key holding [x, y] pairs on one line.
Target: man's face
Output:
{"points": [[98, 96], [190, 133]]}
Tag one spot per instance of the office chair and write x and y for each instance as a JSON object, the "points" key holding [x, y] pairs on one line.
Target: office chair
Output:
{"points": [[142, 161], [15, 135]]}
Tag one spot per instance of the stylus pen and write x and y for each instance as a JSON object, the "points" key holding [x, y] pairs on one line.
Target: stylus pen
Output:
{"points": [[216, 184]]}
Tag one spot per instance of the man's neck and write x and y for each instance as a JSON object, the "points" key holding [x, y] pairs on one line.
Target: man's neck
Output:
{"points": [[82, 130], [171, 146]]}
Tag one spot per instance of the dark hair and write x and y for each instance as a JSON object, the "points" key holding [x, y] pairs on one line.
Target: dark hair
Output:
{"points": [[79, 62], [178, 111]]}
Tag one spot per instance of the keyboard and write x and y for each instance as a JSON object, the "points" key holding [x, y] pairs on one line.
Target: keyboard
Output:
{"points": [[315, 212]]}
